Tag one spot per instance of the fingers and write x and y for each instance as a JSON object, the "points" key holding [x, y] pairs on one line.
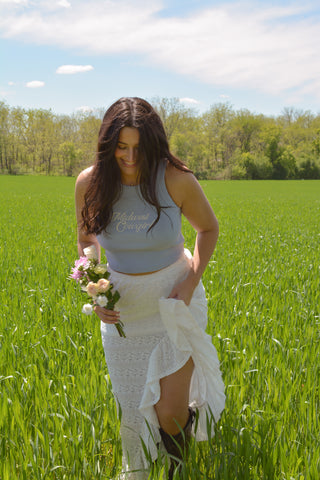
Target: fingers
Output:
{"points": [[180, 294], [107, 316], [174, 293]]}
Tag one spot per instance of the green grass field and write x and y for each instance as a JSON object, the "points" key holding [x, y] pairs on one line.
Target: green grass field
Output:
{"points": [[57, 412]]}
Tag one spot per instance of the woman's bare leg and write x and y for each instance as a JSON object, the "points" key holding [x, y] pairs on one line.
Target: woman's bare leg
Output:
{"points": [[172, 408]]}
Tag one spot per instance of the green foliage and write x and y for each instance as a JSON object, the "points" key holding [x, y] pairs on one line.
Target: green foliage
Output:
{"points": [[40, 142], [309, 169], [219, 144], [238, 172], [58, 415], [71, 157]]}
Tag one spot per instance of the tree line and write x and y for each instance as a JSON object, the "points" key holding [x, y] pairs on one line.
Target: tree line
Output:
{"points": [[221, 143]]}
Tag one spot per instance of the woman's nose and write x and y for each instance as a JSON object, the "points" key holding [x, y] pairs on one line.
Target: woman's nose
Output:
{"points": [[131, 155]]}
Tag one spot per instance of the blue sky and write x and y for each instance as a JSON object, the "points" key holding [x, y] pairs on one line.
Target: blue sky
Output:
{"points": [[71, 55]]}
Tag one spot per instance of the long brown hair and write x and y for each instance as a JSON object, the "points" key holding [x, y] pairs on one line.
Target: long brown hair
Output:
{"points": [[105, 186]]}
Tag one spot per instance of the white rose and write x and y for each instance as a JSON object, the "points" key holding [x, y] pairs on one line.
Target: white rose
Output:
{"points": [[100, 269], [91, 252], [87, 309], [101, 300]]}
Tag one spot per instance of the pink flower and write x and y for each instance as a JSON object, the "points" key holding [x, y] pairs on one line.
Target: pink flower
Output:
{"points": [[76, 274], [103, 285], [81, 262], [78, 271], [92, 289]]}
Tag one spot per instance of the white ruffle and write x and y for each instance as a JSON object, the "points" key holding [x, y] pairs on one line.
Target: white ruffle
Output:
{"points": [[206, 389]]}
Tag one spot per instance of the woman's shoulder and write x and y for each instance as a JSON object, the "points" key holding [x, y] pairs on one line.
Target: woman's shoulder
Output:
{"points": [[83, 178], [179, 183], [176, 175], [85, 175]]}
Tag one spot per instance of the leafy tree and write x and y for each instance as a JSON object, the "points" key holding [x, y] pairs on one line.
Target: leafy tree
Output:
{"points": [[172, 113], [4, 131], [70, 157], [309, 169], [218, 141], [221, 143], [246, 127], [316, 143], [87, 138]]}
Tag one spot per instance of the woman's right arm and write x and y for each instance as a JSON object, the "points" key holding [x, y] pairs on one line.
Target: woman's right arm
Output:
{"points": [[84, 239]]}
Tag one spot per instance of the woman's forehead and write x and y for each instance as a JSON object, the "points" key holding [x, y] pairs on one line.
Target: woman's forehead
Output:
{"points": [[129, 135]]}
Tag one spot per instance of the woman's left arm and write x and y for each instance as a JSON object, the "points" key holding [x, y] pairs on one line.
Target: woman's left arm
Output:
{"points": [[188, 194]]}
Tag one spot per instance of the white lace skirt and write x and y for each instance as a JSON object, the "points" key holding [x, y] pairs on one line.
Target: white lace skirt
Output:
{"points": [[161, 335]]}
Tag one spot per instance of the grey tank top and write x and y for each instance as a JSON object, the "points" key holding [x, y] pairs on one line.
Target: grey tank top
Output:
{"points": [[129, 247]]}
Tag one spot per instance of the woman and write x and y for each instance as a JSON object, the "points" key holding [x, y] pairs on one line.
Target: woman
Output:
{"points": [[130, 203]]}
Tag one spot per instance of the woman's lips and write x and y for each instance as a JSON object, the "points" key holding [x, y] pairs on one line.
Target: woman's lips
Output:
{"points": [[127, 164]]}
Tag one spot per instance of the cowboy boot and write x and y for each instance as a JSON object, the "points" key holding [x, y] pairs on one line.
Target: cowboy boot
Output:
{"points": [[178, 445]]}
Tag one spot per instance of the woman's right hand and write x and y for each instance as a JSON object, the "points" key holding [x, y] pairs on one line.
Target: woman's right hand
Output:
{"points": [[107, 316]]}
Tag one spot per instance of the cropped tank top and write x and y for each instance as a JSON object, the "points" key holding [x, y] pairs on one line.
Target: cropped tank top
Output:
{"points": [[129, 246]]}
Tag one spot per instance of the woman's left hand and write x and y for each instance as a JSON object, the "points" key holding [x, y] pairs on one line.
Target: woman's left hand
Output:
{"points": [[183, 291]]}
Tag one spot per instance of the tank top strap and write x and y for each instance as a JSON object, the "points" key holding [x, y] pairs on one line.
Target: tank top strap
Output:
{"points": [[162, 172], [164, 195]]}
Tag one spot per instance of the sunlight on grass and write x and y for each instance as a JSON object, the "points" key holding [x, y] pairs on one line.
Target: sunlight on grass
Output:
{"points": [[58, 415]]}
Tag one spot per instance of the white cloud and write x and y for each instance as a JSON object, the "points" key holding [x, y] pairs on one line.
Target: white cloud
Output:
{"points": [[72, 69], [11, 84], [243, 44], [225, 97], [192, 101], [35, 84], [64, 3], [14, 2], [51, 6]]}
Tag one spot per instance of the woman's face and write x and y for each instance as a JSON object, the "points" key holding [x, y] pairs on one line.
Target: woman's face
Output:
{"points": [[126, 154]]}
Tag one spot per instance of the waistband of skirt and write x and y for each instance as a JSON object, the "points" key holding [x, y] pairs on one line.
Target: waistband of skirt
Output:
{"points": [[184, 260]]}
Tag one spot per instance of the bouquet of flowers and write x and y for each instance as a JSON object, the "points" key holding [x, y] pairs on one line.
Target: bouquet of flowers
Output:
{"points": [[93, 279]]}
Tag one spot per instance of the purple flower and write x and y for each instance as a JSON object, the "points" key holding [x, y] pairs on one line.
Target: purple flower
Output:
{"points": [[81, 262], [78, 271], [76, 274]]}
